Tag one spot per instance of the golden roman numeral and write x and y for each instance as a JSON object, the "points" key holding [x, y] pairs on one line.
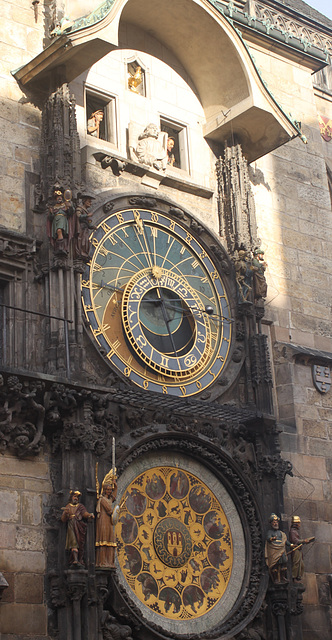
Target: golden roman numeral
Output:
{"points": [[105, 227], [100, 330]]}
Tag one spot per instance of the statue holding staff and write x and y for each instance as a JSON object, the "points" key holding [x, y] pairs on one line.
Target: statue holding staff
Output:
{"points": [[297, 553], [107, 516]]}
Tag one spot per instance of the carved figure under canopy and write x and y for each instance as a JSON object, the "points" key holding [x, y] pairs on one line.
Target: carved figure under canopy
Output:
{"points": [[259, 267], [243, 275], [76, 515], [297, 553], [275, 550], [83, 227], [60, 223], [106, 519], [151, 148]]}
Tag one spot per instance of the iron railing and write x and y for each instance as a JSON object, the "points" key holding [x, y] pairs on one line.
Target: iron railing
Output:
{"points": [[4, 337]]}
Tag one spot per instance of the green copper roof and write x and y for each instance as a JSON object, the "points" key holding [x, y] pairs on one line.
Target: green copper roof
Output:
{"points": [[87, 21]]}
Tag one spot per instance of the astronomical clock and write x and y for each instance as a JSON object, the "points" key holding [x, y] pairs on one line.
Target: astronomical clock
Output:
{"points": [[156, 302], [160, 306]]}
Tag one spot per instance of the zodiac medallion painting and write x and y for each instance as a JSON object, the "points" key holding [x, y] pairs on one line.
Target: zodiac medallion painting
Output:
{"points": [[174, 543]]}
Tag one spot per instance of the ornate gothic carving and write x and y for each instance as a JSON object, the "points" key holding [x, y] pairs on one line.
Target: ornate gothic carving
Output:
{"points": [[261, 371], [21, 416], [275, 19], [60, 148], [237, 218]]}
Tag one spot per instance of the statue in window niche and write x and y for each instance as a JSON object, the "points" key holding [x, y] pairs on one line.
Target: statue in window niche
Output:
{"points": [[151, 148], [135, 79], [83, 226], [94, 123], [60, 221], [275, 550], [76, 515], [170, 154], [259, 267]]}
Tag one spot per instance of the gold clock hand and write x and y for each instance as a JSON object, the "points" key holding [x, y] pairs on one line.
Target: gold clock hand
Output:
{"points": [[105, 286]]}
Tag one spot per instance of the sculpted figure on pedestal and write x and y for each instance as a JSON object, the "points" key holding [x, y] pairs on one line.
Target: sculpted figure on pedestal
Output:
{"points": [[60, 224], [259, 267], [83, 226], [76, 515], [297, 553], [107, 516], [275, 550], [243, 275]]}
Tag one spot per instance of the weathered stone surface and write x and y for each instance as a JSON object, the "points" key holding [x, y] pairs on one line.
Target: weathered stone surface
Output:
{"points": [[27, 561], [29, 588], [24, 468], [309, 466], [8, 594], [31, 508], [7, 535], [311, 593], [29, 538], [317, 559], [10, 506], [23, 619], [316, 624]]}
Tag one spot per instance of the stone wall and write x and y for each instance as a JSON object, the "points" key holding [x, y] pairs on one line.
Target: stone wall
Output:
{"points": [[24, 485], [21, 40], [295, 224]]}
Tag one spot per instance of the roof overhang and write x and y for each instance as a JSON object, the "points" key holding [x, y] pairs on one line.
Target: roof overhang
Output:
{"points": [[234, 98]]}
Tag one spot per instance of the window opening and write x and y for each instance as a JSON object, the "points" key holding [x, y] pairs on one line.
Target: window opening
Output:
{"points": [[100, 114], [177, 151]]}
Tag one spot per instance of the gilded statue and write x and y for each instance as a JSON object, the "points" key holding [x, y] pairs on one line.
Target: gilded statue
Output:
{"points": [[107, 516], [135, 79]]}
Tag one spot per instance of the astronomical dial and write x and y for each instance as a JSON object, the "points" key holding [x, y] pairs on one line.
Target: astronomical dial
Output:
{"points": [[156, 304], [174, 542]]}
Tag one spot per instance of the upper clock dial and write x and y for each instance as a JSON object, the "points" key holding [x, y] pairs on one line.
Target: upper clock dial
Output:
{"points": [[156, 304]]}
